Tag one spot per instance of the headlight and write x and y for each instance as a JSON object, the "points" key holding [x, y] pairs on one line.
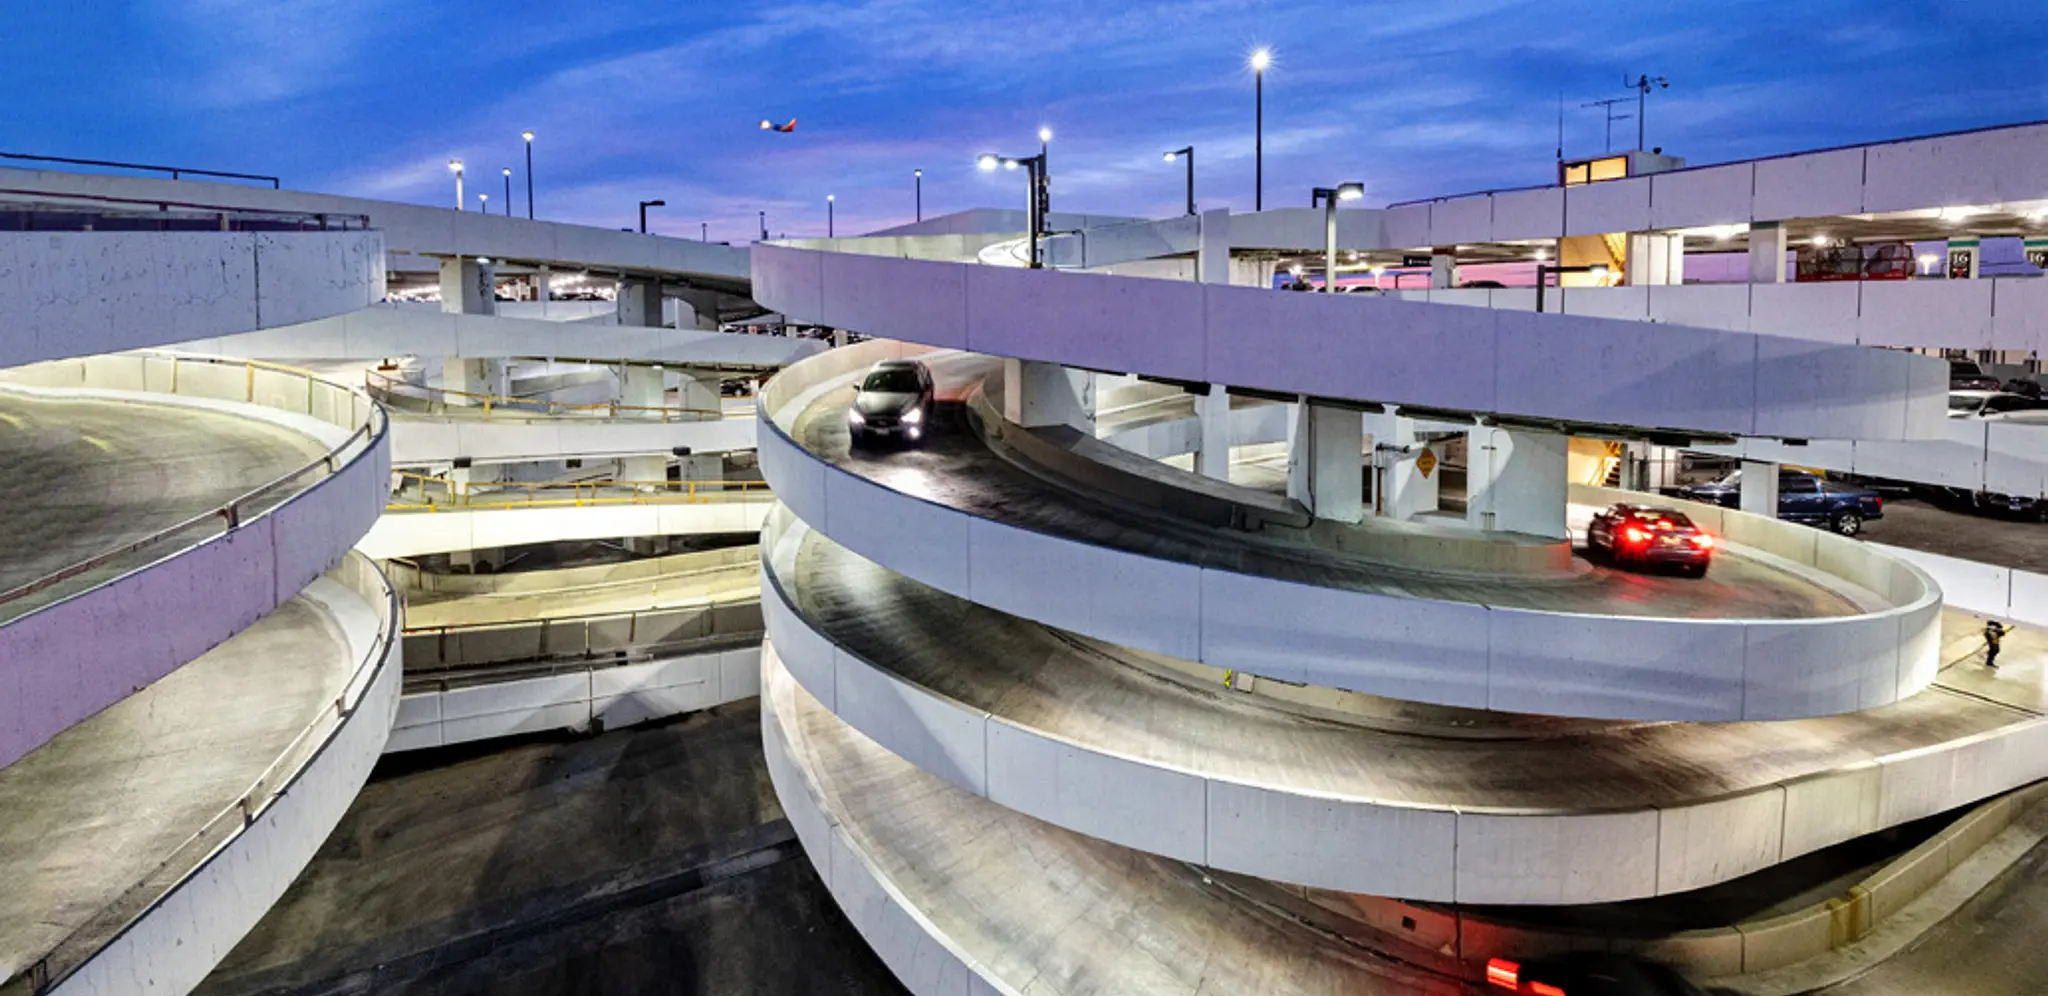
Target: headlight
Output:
{"points": [[853, 417], [913, 416]]}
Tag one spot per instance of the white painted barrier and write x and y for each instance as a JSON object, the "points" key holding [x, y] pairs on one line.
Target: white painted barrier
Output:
{"points": [[68, 659], [419, 440], [409, 534], [243, 863]]}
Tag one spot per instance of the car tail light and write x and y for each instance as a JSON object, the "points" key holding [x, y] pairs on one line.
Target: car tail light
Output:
{"points": [[1504, 973], [1880, 503], [1636, 535], [1544, 989], [1703, 541]]}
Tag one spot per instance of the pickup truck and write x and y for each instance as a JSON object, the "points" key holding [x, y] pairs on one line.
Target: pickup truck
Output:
{"points": [[1802, 497]]}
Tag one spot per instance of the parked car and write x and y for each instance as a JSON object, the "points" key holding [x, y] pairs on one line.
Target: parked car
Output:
{"points": [[1589, 973], [1646, 536], [1994, 404], [1802, 497], [894, 402], [1964, 375]]}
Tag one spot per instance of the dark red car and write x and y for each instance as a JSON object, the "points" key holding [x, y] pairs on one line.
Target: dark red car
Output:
{"points": [[1645, 536]]}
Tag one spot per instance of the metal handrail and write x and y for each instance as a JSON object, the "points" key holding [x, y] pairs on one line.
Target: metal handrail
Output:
{"points": [[263, 792], [393, 387], [326, 220], [374, 425], [175, 171], [478, 495]]}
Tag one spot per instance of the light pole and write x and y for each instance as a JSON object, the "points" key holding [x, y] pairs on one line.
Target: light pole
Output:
{"points": [[831, 229], [528, 135], [1261, 58], [1327, 198], [508, 191], [644, 205], [1042, 193], [483, 203], [1642, 85], [764, 226], [704, 231], [918, 176], [1035, 165], [1187, 153], [455, 167]]}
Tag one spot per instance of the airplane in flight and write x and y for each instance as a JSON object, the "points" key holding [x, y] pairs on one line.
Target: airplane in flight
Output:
{"points": [[767, 125]]}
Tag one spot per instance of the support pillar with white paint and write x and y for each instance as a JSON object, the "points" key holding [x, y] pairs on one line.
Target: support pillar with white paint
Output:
{"points": [[1325, 461], [1516, 481], [1760, 488], [1037, 395]]}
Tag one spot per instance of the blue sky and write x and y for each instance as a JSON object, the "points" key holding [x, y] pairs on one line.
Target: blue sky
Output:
{"points": [[645, 99]]}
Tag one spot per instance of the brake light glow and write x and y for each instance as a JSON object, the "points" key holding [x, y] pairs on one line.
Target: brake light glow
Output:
{"points": [[1636, 535], [1703, 541], [1504, 973], [1545, 989]]}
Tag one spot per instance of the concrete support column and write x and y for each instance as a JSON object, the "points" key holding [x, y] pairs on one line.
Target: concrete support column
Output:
{"points": [[1036, 395], [1401, 490], [1252, 272], [1443, 270], [467, 287], [639, 302], [703, 310], [543, 287], [469, 377], [838, 337], [1516, 481], [1760, 488], [1325, 461], [648, 471], [641, 387], [700, 391], [1212, 411], [1767, 248], [1212, 247]]}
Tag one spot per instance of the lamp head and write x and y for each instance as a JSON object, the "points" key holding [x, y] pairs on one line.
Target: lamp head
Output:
{"points": [[526, 135], [1261, 58], [917, 172], [830, 198], [455, 166], [508, 171], [1350, 191], [986, 161], [1171, 156], [1045, 134]]}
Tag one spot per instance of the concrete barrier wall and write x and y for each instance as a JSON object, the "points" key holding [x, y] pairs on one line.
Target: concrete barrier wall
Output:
{"points": [[1159, 440], [412, 534], [179, 938], [1985, 589], [677, 566], [1975, 454], [1449, 653], [400, 330], [418, 229], [425, 439], [923, 958], [582, 636], [1371, 349], [80, 293], [1376, 846], [608, 698], [67, 660]]}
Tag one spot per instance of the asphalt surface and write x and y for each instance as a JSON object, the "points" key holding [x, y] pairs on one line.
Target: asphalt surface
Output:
{"points": [[2004, 541], [84, 476], [649, 860], [1107, 698], [87, 819], [722, 585], [954, 467]]}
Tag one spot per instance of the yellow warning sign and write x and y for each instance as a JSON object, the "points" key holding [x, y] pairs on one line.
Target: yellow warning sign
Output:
{"points": [[1426, 462]]}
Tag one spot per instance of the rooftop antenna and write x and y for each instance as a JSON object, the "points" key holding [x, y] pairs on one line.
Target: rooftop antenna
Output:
{"points": [[1608, 106], [1642, 86], [1560, 126]]}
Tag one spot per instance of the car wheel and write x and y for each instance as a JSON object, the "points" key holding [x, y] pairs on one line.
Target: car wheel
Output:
{"points": [[1847, 523]]}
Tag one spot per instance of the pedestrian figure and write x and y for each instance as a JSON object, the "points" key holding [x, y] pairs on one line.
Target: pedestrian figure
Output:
{"points": [[1994, 631]]}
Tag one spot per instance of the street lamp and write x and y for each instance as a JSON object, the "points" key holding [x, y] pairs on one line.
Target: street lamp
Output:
{"points": [[455, 167], [528, 135], [764, 225], [1187, 153], [644, 205], [918, 176], [1327, 198], [508, 191], [1035, 165], [831, 229], [1042, 193], [483, 203], [1261, 58]]}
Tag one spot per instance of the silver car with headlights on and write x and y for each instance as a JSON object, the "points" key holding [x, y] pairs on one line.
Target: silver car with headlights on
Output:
{"points": [[894, 402]]}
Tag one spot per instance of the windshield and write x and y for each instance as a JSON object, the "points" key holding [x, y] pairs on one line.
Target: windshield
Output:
{"points": [[897, 380], [1966, 404], [1660, 518]]}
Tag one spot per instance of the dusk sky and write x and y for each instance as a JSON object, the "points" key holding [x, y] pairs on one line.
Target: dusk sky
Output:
{"points": [[642, 100]]}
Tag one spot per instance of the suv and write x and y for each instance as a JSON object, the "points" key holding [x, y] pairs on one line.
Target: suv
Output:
{"points": [[1802, 497], [894, 401], [1964, 375]]}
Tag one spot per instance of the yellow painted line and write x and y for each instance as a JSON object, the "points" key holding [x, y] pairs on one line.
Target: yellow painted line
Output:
{"points": [[13, 420], [102, 445]]}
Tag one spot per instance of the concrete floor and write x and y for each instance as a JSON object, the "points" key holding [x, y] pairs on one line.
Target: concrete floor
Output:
{"points": [[92, 814], [641, 861], [736, 583], [954, 468], [1102, 696], [2007, 542], [84, 476], [1054, 913]]}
